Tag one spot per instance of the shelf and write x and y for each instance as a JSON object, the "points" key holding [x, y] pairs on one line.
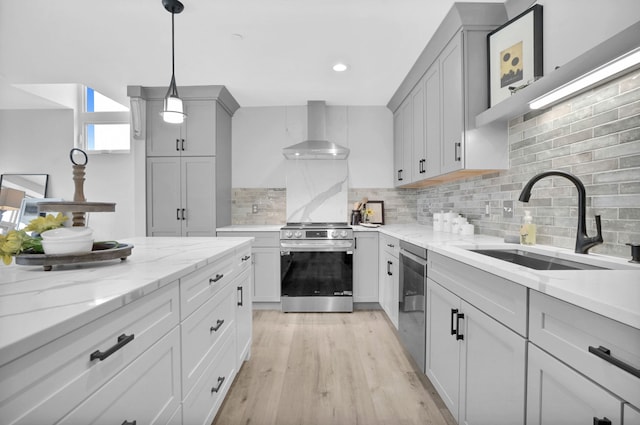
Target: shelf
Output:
{"points": [[518, 103], [79, 207]]}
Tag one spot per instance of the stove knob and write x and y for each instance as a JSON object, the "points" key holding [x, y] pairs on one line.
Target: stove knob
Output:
{"points": [[334, 234], [288, 234], [298, 234], [343, 234]]}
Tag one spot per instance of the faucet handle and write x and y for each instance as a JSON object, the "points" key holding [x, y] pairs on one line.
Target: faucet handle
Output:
{"points": [[598, 227]]}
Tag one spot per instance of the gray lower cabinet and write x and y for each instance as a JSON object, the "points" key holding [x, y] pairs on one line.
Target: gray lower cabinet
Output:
{"points": [[583, 367], [475, 342], [388, 276], [181, 196], [365, 267], [476, 364], [266, 264], [557, 394]]}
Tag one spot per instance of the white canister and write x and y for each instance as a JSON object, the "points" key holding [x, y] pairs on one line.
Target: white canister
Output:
{"points": [[437, 222], [447, 221], [467, 229]]}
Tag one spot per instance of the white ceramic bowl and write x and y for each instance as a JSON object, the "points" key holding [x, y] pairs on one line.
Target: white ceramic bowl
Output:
{"points": [[68, 233], [73, 246]]}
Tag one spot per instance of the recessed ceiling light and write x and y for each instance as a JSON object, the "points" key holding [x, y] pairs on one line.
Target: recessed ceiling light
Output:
{"points": [[340, 67]]}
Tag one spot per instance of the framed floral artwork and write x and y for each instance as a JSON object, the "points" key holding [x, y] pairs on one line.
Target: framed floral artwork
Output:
{"points": [[374, 212], [515, 54]]}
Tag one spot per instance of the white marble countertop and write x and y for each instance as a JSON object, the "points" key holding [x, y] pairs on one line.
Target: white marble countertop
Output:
{"points": [[251, 228], [611, 293], [37, 307]]}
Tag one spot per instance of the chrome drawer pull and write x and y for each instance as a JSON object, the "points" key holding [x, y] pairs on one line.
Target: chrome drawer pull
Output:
{"points": [[122, 341], [605, 354], [216, 389], [217, 326], [217, 278]]}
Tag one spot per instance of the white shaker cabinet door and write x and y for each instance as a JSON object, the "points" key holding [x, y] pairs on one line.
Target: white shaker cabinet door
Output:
{"points": [[365, 267], [452, 106], [442, 351], [146, 392], [556, 394], [163, 197], [198, 192]]}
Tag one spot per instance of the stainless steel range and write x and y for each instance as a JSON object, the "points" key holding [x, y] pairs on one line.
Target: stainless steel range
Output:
{"points": [[316, 265]]}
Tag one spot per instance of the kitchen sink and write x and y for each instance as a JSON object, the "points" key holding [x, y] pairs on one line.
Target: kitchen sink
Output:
{"points": [[536, 261]]}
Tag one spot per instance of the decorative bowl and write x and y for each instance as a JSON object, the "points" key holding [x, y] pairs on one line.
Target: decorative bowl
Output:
{"points": [[67, 246], [68, 233]]}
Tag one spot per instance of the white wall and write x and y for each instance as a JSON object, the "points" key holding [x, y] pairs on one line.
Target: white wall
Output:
{"points": [[39, 141], [260, 133]]}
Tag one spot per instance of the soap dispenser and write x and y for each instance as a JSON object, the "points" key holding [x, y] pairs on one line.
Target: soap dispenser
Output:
{"points": [[527, 230]]}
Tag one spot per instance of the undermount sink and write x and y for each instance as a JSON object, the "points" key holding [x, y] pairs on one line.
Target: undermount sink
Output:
{"points": [[536, 261]]}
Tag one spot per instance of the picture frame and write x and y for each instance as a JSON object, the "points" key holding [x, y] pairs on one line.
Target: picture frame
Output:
{"points": [[378, 212], [514, 54]]}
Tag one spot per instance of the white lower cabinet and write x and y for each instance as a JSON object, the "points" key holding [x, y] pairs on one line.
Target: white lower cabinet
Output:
{"points": [[365, 267], [244, 315], [203, 402], [153, 377], [266, 264], [557, 394], [168, 357], [388, 277], [631, 416], [476, 363]]}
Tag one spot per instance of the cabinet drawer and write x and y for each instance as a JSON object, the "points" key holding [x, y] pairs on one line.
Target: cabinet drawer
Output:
{"points": [[202, 404], [261, 239], [44, 385], [567, 331], [199, 286], [390, 244], [500, 298], [147, 391], [202, 330]]}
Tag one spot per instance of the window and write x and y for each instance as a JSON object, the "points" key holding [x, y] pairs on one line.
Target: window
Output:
{"points": [[103, 123]]}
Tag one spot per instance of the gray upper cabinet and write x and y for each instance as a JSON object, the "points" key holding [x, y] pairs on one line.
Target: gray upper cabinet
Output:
{"points": [[445, 90], [188, 176], [191, 138]]}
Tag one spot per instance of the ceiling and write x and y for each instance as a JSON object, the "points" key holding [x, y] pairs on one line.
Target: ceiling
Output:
{"points": [[267, 52]]}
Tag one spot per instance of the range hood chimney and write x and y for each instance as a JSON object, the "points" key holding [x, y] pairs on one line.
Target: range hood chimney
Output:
{"points": [[316, 146]]}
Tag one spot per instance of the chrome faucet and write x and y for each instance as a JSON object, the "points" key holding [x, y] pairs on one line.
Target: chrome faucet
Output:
{"points": [[583, 241]]}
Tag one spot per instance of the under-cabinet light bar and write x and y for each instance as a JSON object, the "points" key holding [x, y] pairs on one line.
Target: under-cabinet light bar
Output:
{"points": [[599, 74]]}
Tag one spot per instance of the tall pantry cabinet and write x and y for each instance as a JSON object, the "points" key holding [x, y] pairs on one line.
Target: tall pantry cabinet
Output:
{"points": [[188, 165]]}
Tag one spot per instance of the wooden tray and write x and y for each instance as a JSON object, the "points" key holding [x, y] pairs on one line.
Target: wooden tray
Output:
{"points": [[102, 251]]}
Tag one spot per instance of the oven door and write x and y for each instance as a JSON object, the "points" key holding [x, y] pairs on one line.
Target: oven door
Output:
{"points": [[316, 280]]}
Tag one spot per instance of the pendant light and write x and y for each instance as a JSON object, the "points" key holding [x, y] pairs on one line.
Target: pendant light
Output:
{"points": [[173, 111]]}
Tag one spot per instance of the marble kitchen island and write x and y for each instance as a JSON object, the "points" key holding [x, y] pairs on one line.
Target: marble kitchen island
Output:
{"points": [[53, 323]]}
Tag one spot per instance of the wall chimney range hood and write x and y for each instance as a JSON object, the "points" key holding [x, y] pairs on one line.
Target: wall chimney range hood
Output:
{"points": [[316, 146]]}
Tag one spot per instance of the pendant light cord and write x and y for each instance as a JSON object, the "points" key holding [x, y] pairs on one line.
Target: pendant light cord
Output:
{"points": [[173, 59]]}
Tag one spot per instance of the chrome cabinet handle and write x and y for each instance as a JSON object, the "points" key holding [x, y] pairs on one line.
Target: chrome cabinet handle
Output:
{"points": [[217, 326], [122, 341], [216, 389]]}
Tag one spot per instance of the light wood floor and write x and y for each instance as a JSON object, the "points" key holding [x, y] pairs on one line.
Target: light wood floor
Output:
{"points": [[329, 368]]}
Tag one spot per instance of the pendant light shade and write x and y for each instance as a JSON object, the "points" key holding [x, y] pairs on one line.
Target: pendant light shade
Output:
{"points": [[173, 110]]}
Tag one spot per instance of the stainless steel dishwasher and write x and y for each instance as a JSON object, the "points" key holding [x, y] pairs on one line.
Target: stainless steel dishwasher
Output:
{"points": [[411, 311]]}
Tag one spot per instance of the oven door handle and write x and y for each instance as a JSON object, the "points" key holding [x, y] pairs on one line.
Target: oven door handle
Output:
{"points": [[343, 247]]}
